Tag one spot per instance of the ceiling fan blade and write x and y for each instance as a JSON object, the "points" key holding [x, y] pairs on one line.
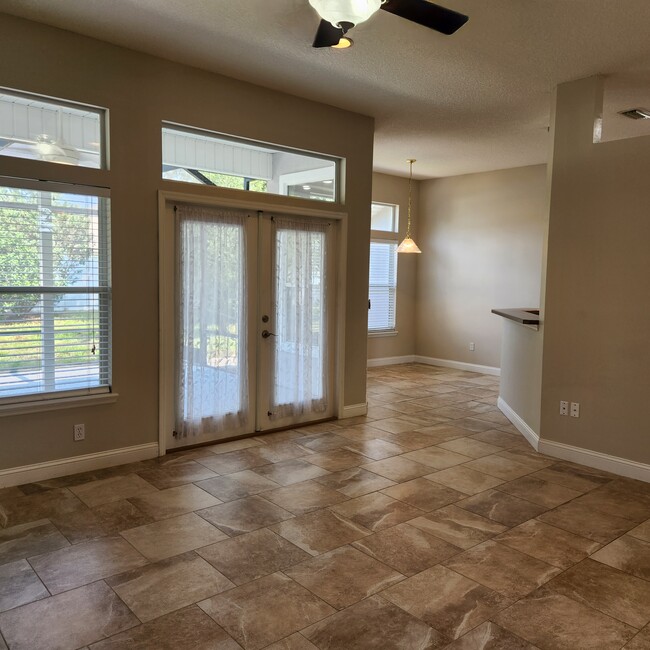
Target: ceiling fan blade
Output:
{"points": [[327, 35], [426, 13]]}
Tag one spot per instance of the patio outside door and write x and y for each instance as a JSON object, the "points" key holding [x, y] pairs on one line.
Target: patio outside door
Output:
{"points": [[254, 322]]}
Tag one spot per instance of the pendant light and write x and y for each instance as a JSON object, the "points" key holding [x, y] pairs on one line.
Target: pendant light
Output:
{"points": [[345, 11], [408, 245]]}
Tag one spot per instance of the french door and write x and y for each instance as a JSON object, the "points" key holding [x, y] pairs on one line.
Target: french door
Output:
{"points": [[254, 330]]}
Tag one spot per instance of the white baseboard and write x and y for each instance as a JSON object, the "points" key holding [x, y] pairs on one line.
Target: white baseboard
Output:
{"points": [[390, 361], [596, 459], [76, 464], [519, 423], [458, 365], [354, 410]]}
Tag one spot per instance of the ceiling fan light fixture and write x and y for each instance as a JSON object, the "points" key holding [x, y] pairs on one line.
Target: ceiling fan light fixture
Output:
{"points": [[345, 43], [345, 11]]}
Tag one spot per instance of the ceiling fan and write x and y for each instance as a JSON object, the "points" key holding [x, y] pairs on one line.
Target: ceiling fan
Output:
{"points": [[339, 16]]}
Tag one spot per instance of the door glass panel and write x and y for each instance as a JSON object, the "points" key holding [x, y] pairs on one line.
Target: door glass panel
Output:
{"points": [[212, 375], [300, 369]]}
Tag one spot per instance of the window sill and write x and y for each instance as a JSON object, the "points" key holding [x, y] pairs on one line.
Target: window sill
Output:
{"points": [[382, 333], [56, 404]]}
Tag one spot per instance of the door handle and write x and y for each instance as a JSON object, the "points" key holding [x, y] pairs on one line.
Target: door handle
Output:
{"points": [[266, 334]]}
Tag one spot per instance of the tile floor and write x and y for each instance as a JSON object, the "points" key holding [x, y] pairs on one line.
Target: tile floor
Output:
{"points": [[430, 523]]}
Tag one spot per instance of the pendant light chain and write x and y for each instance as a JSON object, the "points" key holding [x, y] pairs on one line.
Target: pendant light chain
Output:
{"points": [[408, 245]]}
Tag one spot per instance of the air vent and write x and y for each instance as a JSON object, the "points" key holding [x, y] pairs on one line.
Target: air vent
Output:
{"points": [[637, 114]]}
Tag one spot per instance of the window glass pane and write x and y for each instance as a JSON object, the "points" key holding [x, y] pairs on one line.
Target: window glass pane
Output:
{"points": [[383, 217], [54, 292], [202, 157], [382, 285], [38, 129]]}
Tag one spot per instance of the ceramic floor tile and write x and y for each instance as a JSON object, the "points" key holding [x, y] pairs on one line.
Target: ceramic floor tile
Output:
{"points": [[371, 624], [406, 549], [581, 480], [470, 447], [244, 515], [503, 468], [294, 642], [237, 485], [252, 556], [613, 500], [47, 624], [184, 472], [25, 540], [413, 440], [376, 449], [323, 442], [355, 482], [343, 576], [501, 507], [628, 554], [502, 569], [233, 461], [81, 564], [641, 641], [302, 498], [250, 613], [97, 493], [457, 526], [289, 472], [436, 457], [446, 600], [617, 594], [474, 425], [117, 516], [465, 480], [174, 501], [234, 445], [583, 521], [547, 543], [555, 622], [497, 438], [320, 531], [489, 636], [398, 468], [376, 511], [423, 494], [394, 424], [43, 505], [168, 537], [19, 585], [549, 495], [440, 433], [168, 585], [337, 460], [528, 457], [185, 629], [642, 531]]}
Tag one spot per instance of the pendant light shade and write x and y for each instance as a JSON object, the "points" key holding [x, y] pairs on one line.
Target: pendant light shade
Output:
{"points": [[345, 11], [408, 245]]}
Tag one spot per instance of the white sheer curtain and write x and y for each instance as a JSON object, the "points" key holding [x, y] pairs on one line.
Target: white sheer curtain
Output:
{"points": [[300, 288], [212, 365]]}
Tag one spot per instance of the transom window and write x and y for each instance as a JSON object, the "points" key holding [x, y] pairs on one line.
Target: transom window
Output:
{"points": [[52, 131], [55, 291], [382, 291], [195, 156]]}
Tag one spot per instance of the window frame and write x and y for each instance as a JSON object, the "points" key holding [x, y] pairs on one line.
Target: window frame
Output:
{"points": [[386, 237], [42, 400]]}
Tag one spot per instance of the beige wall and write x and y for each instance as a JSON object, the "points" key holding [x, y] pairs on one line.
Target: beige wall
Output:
{"points": [[140, 91], [394, 189], [598, 284], [481, 237]]}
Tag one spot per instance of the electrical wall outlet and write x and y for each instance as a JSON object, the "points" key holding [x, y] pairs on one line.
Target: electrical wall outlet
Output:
{"points": [[564, 408], [575, 410], [79, 432], [472, 347]]}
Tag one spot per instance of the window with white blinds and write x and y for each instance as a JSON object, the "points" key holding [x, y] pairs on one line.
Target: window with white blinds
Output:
{"points": [[383, 285], [55, 291]]}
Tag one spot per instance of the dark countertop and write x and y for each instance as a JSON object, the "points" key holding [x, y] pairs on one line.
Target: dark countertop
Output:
{"points": [[528, 316]]}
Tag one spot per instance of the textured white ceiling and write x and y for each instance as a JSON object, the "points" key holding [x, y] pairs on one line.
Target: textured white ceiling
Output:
{"points": [[475, 101]]}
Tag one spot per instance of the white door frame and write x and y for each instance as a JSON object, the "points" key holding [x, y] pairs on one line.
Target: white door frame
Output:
{"points": [[166, 270]]}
